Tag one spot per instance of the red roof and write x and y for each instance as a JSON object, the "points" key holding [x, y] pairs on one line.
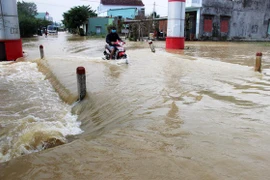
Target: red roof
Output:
{"points": [[122, 2]]}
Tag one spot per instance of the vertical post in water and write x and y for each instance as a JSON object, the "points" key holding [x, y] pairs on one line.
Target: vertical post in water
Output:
{"points": [[258, 63], [41, 51], [151, 45], [81, 81]]}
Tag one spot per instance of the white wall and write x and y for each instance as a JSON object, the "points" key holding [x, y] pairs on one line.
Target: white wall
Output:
{"points": [[193, 3]]}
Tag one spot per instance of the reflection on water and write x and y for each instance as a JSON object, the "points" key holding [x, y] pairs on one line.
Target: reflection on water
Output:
{"points": [[198, 113], [233, 52]]}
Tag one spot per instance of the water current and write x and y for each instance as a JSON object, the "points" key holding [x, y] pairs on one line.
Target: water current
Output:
{"points": [[197, 113]]}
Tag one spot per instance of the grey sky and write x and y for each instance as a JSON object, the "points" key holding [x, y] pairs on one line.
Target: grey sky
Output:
{"points": [[57, 7]]}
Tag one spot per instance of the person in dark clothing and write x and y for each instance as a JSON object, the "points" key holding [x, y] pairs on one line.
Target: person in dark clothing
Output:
{"points": [[111, 39], [46, 32]]}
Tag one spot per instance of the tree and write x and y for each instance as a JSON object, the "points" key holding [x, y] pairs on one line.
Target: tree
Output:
{"points": [[26, 14], [42, 23], [27, 22], [154, 15], [77, 16], [27, 9]]}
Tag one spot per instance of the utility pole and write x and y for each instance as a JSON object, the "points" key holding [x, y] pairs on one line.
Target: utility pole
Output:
{"points": [[154, 9]]}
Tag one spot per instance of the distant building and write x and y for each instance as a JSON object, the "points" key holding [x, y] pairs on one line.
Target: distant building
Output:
{"points": [[112, 12], [227, 19], [106, 7], [44, 16], [125, 13], [98, 25]]}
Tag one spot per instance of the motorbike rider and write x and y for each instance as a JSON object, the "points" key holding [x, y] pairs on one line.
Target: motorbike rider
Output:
{"points": [[111, 39]]}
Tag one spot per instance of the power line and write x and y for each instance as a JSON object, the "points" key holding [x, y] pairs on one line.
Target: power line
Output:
{"points": [[157, 5]]}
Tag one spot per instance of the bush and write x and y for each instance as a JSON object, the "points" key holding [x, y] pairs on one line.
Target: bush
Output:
{"points": [[27, 26]]}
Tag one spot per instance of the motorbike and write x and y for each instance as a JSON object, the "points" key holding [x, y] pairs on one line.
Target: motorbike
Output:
{"points": [[120, 52]]}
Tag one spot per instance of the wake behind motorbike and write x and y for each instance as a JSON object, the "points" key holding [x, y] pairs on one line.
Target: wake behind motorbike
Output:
{"points": [[120, 52]]}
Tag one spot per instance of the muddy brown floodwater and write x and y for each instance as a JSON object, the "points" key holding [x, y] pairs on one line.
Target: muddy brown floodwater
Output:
{"points": [[198, 113]]}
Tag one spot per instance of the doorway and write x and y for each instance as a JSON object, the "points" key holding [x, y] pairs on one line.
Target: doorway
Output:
{"points": [[190, 25], [2, 52]]}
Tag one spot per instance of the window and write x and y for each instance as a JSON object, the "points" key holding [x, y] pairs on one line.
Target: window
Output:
{"points": [[98, 29], [207, 25], [224, 25]]}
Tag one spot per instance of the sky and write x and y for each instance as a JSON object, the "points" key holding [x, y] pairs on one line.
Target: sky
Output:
{"points": [[56, 8]]}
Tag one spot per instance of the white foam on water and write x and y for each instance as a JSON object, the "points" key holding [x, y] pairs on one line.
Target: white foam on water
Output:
{"points": [[31, 112]]}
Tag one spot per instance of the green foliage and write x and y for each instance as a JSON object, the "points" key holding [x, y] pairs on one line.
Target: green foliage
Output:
{"points": [[109, 27], [118, 24], [77, 16], [27, 26], [134, 35], [27, 22], [81, 32], [42, 23], [154, 15], [27, 9]]}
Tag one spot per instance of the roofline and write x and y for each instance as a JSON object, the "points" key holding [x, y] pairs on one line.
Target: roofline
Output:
{"points": [[122, 8], [121, 5], [141, 20]]}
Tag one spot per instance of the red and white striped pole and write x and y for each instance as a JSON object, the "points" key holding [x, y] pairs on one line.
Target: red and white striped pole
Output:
{"points": [[176, 24]]}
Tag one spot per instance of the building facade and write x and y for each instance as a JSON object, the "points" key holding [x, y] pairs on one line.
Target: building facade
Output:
{"points": [[98, 25], [125, 13], [112, 12], [106, 6], [227, 20], [44, 16]]}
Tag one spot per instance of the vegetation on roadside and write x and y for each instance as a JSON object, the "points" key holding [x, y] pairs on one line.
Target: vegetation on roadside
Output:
{"points": [[28, 24], [143, 27], [76, 17]]}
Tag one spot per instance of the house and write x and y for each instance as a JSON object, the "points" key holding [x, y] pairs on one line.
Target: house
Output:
{"points": [[113, 11], [106, 7], [98, 25], [44, 16], [125, 13], [227, 19]]}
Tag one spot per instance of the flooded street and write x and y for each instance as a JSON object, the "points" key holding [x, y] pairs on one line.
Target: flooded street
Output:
{"points": [[198, 113]]}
